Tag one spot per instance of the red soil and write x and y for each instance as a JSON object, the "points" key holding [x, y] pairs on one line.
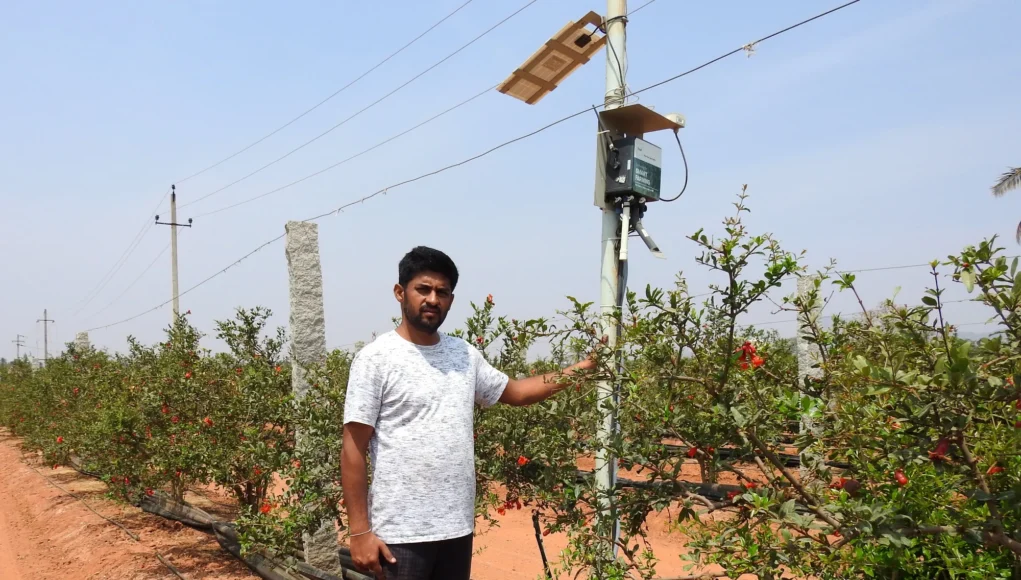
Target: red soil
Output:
{"points": [[45, 534]]}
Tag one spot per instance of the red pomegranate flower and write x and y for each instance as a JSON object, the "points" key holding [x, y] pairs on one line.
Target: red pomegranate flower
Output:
{"points": [[522, 460], [758, 361], [60, 439], [940, 452], [692, 452], [994, 469], [207, 422], [175, 419], [839, 484], [902, 479], [265, 508]]}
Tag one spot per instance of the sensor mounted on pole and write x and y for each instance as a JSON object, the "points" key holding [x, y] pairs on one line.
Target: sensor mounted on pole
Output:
{"points": [[634, 167]]}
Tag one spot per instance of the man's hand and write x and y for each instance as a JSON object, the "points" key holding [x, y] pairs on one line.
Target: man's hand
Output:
{"points": [[540, 387], [589, 363], [365, 552], [365, 547]]}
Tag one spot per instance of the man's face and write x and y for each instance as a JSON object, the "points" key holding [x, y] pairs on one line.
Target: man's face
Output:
{"points": [[426, 301]]}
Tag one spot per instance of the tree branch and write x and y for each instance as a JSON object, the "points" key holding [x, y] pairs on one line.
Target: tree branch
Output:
{"points": [[810, 500]]}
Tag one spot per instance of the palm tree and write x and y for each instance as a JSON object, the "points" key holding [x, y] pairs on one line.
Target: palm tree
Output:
{"points": [[1008, 181]]}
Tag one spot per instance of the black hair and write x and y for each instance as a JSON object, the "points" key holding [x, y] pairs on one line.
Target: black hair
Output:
{"points": [[422, 259]]}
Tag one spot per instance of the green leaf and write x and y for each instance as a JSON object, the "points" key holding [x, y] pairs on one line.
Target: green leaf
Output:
{"points": [[968, 279], [860, 363], [738, 416]]}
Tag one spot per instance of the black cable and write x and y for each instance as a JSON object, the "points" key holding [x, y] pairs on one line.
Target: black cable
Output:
{"points": [[621, 72], [129, 533], [685, 159]]}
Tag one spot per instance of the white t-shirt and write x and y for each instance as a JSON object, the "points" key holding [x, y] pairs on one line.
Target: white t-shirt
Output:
{"points": [[420, 401]]}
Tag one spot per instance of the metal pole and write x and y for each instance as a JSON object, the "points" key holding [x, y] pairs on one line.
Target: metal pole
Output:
{"points": [[173, 253], [609, 279], [46, 335], [19, 341]]}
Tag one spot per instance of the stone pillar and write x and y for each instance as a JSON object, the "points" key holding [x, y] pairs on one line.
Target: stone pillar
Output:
{"points": [[308, 346], [809, 356], [81, 341]]}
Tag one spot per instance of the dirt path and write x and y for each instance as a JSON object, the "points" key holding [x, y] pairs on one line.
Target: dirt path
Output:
{"points": [[8, 558], [46, 534]]}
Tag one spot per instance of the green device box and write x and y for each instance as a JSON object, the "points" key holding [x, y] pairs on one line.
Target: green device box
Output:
{"points": [[634, 167]]}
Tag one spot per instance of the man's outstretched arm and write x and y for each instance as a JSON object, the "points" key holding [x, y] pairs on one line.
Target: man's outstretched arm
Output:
{"points": [[522, 392], [365, 546]]}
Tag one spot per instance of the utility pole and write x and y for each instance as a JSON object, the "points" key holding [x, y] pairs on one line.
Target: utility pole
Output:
{"points": [[173, 250], [19, 342], [46, 335], [610, 296], [627, 177]]}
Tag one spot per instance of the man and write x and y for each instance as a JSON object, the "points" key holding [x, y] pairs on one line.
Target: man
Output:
{"points": [[410, 399]]}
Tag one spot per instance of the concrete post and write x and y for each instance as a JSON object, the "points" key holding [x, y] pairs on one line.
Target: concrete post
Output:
{"points": [[308, 346], [808, 357], [81, 341]]}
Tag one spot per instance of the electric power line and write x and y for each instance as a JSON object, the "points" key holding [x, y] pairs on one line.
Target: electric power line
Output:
{"points": [[351, 158], [324, 101], [468, 160], [635, 11], [135, 281], [132, 246], [162, 304], [335, 165], [744, 47], [374, 147], [366, 108]]}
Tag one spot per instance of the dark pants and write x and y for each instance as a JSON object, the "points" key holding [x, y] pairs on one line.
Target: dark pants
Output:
{"points": [[442, 560]]}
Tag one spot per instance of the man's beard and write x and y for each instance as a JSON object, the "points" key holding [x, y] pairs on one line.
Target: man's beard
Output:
{"points": [[421, 324]]}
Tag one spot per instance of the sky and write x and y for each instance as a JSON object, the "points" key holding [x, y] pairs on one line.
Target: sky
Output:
{"points": [[870, 136]]}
